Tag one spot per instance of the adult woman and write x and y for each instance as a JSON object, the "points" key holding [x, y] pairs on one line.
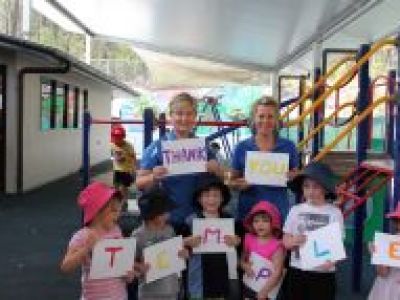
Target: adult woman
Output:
{"points": [[264, 123], [182, 109]]}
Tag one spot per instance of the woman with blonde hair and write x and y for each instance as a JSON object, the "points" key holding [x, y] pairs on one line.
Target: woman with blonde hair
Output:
{"points": [[264, 122]]}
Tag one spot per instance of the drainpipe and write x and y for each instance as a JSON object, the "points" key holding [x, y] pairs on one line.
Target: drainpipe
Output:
{"points": [[64, 67]]}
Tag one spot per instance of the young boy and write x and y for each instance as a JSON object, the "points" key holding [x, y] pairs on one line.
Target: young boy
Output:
{"points": [[154, 208], [208, 276], [317, 186], [124, 162]]}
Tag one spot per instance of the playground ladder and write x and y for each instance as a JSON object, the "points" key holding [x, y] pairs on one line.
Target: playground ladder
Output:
{"points": [[361, 183]]}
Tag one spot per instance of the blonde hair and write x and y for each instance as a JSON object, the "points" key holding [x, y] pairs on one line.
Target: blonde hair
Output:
{"points": [[182, 97], [264, 101]]}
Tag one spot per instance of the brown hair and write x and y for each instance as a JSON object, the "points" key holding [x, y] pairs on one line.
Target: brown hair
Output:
{"points": [[265, 101], [182, 97]]}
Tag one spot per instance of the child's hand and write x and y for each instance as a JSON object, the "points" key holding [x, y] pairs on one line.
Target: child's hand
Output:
{"points": [[326, 266], [193, 241], [298, 239], [246, 266], [262, 294], [183, 253], [130, 275], [141, 268], [371, 248], [159, 172], [232, 240]]}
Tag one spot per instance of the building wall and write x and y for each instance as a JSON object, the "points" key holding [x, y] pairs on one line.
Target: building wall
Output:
{"points": [[8, 58], [49, 155]]}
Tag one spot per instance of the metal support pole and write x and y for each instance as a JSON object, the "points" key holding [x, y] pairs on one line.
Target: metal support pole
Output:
{"points": [[148, 117], [300, 131], [389, 144], [316, 115], [86, 142], [363, 102], [396, 142]]}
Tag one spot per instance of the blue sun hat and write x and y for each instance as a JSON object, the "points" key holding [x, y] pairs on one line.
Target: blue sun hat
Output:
{"points": [[319, 172]]}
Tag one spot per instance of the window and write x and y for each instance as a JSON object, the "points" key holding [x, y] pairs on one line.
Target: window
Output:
{"points": [[45, 103], [75, 113], [59, 110]]}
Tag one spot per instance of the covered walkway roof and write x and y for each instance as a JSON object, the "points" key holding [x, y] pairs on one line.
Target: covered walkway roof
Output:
{"points": [[255, 37]]}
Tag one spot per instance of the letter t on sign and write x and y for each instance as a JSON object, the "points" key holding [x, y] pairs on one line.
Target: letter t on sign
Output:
{"points": [[113, 251]]}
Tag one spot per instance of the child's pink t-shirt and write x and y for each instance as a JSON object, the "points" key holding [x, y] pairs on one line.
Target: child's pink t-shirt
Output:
{"points": [[95, 289], [264, 249]]}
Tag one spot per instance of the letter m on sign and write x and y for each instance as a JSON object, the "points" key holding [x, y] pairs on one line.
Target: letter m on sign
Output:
{"points": [[212, 234]]}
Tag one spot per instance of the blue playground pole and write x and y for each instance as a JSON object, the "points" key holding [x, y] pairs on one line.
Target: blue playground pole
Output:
{"points": [[396, 142], [363, 128], [389, 144], [87, 120], [162, 126], [148, 117], [316, 115]]}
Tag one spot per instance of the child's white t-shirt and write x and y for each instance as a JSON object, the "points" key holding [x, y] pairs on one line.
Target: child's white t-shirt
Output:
{"points": [[306, 217]]}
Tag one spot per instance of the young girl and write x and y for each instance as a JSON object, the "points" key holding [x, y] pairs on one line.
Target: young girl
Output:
{"points": [[101, 206], [386, 285], [155, 206], [317, 186], [263, 224], [208, 275]]}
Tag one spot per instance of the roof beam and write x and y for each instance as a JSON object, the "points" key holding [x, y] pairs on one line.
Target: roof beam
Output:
{"points": [[63, 10]]}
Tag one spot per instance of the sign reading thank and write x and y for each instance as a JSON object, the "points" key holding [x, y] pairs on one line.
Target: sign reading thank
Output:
{"points": [[184, 156]]}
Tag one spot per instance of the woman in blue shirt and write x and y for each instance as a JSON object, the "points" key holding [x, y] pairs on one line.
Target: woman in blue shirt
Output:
{"points": [[183, 111], [265, 126]]}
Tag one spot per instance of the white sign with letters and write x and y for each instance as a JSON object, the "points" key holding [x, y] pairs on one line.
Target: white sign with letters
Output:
{"points": [[184, 156], [213, 232], [112, 258], [266, 168]]}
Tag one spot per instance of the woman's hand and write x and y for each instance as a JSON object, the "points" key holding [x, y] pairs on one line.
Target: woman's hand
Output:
{"points": [[213, 166], [292, 173], [232, 240], [240, 183], [159, 172]]}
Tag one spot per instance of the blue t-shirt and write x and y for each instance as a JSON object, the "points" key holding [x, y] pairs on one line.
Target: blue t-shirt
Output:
{"points": [[276, 195], [180, 187]]}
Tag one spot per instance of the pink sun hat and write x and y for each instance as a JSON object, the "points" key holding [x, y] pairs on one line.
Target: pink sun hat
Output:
{"points": [[94, 197], [269, 209], [394, 214]]}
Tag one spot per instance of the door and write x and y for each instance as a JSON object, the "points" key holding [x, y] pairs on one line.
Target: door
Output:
{"points": [[3, 70]]}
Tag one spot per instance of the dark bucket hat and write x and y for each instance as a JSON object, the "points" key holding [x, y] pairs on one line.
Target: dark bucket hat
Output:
{"points": [[208, 182], [319, 172], [155, 202]]}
